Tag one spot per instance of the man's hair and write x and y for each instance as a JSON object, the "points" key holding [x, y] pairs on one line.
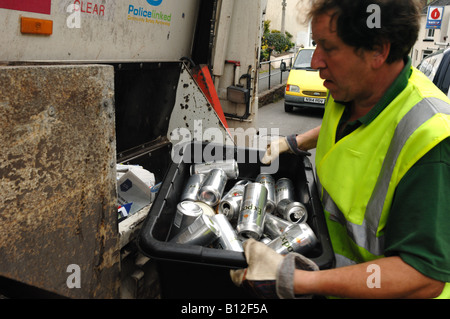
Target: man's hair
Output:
{"points": [[400, 23]]}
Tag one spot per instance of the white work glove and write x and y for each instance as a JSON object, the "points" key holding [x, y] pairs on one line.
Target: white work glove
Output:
{"points": [[270, 275], [281, 145]]}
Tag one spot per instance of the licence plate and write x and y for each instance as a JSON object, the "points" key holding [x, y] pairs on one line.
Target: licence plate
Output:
{"points": [[314, 100]]}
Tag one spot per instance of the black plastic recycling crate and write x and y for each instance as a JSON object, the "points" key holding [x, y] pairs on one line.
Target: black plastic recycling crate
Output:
{"points": [[189, 271]]}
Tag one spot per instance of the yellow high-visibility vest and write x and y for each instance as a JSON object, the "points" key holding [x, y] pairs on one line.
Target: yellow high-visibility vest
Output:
{"points": [[358, 175]]}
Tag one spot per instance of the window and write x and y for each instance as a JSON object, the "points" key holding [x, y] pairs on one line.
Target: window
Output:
{"points": [[426, 53], [303, 60], [429, 35]]}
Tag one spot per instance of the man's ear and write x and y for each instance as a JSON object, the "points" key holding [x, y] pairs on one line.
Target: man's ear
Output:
{"points": [[380, 54]]}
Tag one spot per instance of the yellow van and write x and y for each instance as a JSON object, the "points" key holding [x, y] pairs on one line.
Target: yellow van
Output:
{"points": [[304, 86]]}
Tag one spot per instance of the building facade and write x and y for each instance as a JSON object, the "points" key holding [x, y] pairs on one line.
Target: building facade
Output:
{"points": [[294, 19], [432, 40]]}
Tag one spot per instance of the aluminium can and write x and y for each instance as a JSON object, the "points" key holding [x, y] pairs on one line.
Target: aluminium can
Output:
{"points": [[284, 192], [269, 182], [192, 187], [253, 211], [274, 226], [298, 238], [213, 187], [228, 238], [202, 232], [230, 204], [295, 212], [186, 213], [229, 166], [265, 240], [207, 210], [287, 207]]}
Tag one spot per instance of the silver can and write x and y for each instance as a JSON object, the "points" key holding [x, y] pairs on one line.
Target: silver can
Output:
{"points": [[253, 211], [230, 204], [284, 192], [186, 213], [295, 212], [229, 166], [208, 210], [265, 240], [203, 232], [269, 182], [192, 187], [228, 239], [298, 238], [213, 187], [287, 207], [275, 226]]}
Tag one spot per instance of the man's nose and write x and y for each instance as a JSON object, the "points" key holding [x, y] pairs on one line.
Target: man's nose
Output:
{"points": [[317, 61]]}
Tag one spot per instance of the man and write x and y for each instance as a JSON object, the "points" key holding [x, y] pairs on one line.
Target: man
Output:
{"points": [[382, 161]]}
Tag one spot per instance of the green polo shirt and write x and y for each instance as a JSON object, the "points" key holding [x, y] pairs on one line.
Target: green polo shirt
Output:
{"points": [[418, 226]]}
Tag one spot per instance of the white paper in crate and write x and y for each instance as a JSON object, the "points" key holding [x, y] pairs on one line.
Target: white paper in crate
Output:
{"points": [[133, 186]]}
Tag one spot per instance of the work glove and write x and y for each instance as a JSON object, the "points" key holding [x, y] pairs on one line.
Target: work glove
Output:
{"points": [[270, 275], [281, 145]]}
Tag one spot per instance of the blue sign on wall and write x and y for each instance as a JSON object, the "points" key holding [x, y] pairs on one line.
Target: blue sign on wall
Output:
{"points": [[434, 17]]}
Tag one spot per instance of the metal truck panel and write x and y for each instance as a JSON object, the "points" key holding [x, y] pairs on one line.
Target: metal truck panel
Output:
{"points": [[58, 224], [100, 30], [193, 117]]}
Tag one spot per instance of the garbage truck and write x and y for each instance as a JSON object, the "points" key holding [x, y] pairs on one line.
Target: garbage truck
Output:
{"points": [[92, 94]]}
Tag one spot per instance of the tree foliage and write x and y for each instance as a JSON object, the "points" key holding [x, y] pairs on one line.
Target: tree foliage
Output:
{"points": [[274, 40]]}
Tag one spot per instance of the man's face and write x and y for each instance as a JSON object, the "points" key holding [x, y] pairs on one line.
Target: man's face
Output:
{"points": [[346, 73]]}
